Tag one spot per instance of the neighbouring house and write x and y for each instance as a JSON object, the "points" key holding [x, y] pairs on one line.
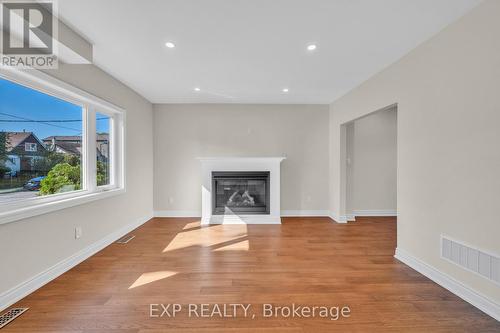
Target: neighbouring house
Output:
{"points": [[72, 144], [64, 144], [23, 149]]}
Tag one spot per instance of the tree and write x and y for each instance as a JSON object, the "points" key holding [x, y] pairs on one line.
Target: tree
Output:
{"points": [[61, 178], [50, 160], [4, 140], [72, 160]]}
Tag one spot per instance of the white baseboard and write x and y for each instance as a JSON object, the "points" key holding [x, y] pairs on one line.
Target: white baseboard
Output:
{"points": [[195, 213], [483, 303], [177, 213], [25, 288], [352, 217], [337, 218], [241, 219], [292, 213], [375, 212]]}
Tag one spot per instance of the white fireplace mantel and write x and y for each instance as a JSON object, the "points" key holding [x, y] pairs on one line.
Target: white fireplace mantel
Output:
{"points": [[210, 164]]}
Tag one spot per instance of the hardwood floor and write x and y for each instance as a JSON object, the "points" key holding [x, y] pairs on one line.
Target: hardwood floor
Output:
{"points": [[306, 261]]}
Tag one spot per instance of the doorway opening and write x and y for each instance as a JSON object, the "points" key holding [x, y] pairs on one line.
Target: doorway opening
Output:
{"points": [[370, 162]]}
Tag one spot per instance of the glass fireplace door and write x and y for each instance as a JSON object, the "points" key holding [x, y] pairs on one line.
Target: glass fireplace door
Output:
{"points": [[240, 192]]}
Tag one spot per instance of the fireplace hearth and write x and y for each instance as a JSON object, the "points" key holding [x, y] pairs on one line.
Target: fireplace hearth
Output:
{"points": [[240, 192]]}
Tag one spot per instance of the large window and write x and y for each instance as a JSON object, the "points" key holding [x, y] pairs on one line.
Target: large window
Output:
{"points": [[57, 143]]}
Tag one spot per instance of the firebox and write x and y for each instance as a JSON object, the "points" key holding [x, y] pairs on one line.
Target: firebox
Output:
{"points": [[242, 192]]}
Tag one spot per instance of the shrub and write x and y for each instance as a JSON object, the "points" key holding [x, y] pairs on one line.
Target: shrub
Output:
{"points": [[102, 174], [3, 170], [61, 178]]}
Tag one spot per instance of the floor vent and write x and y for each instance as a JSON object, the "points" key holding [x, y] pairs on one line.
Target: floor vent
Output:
{"points": [[125, 239], [10, 315], [480, 262]]}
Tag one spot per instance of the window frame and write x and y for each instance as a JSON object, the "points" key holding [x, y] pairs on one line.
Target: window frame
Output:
{"points": [[31, 145], [44, 83], [111, 150]]}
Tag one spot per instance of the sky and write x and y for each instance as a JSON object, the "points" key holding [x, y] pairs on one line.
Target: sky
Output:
{"points": [[21, 106]]}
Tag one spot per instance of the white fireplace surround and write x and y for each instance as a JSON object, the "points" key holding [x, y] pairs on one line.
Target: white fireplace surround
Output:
{"points": [[210, 164]]}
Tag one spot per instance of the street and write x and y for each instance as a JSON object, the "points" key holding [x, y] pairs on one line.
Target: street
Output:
{"points": [[15, 196]]}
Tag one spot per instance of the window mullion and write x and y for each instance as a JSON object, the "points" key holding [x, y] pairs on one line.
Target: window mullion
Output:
{"points": [[112, 152], [89, 137], [118, 161]]}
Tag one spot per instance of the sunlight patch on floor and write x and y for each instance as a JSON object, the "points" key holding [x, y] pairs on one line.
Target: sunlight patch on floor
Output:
{"points": [[207, 236], [238, 246], [191, 225], [150, 277]]}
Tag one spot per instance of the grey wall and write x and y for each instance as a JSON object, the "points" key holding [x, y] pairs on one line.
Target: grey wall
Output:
{"points": [[448, 140], [33, 245], [372, 164], [185, 132]]}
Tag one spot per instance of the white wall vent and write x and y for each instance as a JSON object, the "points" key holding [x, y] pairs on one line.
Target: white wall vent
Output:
{"points": [[480, 262], [125, 239], [10, 315]]}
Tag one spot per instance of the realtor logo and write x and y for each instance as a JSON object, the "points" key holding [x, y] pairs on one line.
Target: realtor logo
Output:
{"points": [[28, 34]]}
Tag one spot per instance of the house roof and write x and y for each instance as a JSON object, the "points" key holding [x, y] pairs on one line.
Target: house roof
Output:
{"points": [[14, 139], [70, 147], [102, 136], [59, 138], [64, 138]]}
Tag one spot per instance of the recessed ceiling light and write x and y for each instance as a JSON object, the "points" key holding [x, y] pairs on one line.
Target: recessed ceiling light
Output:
{"points": [[170, 45], [197, 89], [285, 90], [311, 47]]}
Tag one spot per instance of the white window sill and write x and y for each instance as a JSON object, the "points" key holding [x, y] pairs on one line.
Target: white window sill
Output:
{"points": [[57, 202]]}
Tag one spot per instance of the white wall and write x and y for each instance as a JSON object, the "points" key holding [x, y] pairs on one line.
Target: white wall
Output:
{"points": [[33, 245], [447, 91], [372, 164], [185, 132]]}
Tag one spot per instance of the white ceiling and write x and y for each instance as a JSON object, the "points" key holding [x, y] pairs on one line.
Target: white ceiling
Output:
{"points": [[247, 51]]}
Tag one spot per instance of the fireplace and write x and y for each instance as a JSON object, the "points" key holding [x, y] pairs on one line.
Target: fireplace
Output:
{"points": [[240, 192], [252, 182]]}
